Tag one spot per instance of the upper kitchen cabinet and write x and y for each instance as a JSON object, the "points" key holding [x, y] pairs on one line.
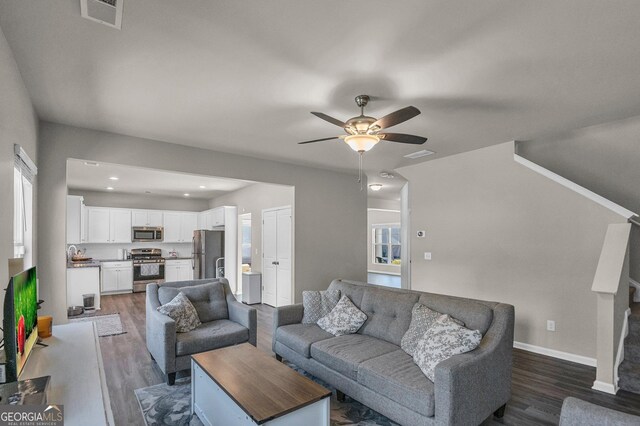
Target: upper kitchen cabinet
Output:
{"points": [[76, 223], [179, 226], [107, 225], [213, 218], [146, 218]]}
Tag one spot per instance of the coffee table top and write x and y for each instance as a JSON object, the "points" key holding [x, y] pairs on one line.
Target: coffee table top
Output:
{"points": [[263, 387]]}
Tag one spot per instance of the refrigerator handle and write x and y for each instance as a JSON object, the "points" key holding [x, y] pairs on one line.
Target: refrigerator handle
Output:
{"points": [[193, 252]]}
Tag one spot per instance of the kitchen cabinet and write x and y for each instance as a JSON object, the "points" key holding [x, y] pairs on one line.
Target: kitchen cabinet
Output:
{"points": [[212, 218], [117, 277], [178, 270], [107, 225], [83, 281], [179, 226], [146, 218], [76, 232]]}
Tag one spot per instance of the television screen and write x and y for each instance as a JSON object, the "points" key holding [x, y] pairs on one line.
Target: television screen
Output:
{"points": [[25, 312]]}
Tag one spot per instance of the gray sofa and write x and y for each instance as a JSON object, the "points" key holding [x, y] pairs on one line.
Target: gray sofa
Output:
{"points": [[576, 412], [370, 367], [225, 322]]}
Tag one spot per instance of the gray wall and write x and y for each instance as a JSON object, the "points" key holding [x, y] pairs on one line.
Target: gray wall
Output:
{"points": [[378, 217], [140, 201], [18, 124], [330, 209], [499, 231], [603, 158], [253, 199]]}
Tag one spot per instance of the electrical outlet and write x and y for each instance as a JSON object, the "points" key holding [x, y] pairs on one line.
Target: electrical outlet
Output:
{"points": [[551, 325], [427, 255]]}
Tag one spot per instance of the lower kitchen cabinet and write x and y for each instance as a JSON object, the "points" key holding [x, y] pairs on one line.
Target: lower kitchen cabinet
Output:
{"points": [[178, 270], [82, 281], [117, 277]]}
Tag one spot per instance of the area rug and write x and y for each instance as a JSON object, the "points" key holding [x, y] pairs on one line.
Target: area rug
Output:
{"points": [[107, 325], [171, 405]]}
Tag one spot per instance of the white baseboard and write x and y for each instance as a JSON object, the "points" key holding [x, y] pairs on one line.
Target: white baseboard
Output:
{"points": [[579, 359], [604, 387], [636, 284]]}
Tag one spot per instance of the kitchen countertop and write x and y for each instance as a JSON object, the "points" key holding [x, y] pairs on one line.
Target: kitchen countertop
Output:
{"points": [[87, 264], [178, 258]]}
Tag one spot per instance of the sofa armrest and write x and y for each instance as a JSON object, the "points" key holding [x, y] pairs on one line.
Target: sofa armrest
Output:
{"points": [[471, 386], [576, 412], [246, 316], [285, 315], [161, 333]]}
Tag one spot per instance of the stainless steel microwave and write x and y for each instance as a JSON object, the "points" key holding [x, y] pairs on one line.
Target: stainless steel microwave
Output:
{"points": [[147, 233]]}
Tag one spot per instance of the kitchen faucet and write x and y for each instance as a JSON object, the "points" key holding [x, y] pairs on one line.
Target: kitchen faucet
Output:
{"points": [[70, 254]]}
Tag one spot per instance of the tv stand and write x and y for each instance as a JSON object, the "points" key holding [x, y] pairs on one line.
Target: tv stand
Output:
{"points": [[41, 343], [74, 362]]}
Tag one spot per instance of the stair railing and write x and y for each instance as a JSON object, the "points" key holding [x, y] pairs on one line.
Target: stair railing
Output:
{"points": [[611, 283]]}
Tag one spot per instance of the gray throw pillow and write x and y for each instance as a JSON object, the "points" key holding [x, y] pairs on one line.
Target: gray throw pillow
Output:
{"points": [[344, 318], [318, 304], [182, 312], [443, 340], [422, 318]]}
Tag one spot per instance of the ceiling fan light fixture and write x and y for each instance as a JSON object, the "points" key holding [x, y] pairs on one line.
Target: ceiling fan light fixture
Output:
{"points": [[361, 143]]}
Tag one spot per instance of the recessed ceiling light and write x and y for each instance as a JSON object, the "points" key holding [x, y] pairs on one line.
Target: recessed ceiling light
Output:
{"points": [[375, 186], [91, 163], [114, 178], [109, 188], [186, 194], [202, 187], [418, 154]]}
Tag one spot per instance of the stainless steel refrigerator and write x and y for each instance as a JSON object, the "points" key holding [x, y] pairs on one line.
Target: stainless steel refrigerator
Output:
{"points": [[208, 254]]}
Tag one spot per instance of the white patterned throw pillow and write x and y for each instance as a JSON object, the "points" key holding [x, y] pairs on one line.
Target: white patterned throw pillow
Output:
{"points": [[182, 312], [422, 318], [318, 304], [344, 318], [443, 340]]}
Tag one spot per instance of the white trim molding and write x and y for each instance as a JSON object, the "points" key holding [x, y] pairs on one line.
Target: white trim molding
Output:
{"points": [[620, 356], [575, 187], [604, 387], [579, 359]]}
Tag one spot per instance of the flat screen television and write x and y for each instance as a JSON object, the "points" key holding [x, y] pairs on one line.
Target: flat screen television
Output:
{"points": [[20, 321]]}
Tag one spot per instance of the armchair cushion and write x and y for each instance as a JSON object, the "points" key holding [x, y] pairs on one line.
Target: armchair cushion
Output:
{"points": [[211, 335], [182, 312], [209, 299]]}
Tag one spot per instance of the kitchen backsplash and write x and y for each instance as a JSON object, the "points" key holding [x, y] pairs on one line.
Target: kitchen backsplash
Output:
{"points": [[110, 251]]}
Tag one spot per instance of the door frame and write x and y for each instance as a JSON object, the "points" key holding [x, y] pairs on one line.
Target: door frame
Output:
{"points": [[293, 250]]}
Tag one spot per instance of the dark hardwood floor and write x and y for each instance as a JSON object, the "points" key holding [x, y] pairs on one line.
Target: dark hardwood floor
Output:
{"points": [[540, 383]]}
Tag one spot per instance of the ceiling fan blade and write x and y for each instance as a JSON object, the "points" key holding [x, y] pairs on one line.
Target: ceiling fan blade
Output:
{"points": [[319, 140], [331, 120], [397, 117], [403, 138]]}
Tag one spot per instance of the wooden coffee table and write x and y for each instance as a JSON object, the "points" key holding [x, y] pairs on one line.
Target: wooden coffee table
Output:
{"points": [[241, 385]]}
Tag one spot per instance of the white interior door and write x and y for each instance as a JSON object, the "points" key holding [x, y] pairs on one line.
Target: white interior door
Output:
{"points": [[283, 253], [269, 257]]}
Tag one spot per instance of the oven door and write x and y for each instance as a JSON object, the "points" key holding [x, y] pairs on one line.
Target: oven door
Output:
{"points": [[147, 273]]}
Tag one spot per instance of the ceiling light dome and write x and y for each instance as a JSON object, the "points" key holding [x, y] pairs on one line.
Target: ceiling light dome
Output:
{"points": [[375, 186], [361, 143]]}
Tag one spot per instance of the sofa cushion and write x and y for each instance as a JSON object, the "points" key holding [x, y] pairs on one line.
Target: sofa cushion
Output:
{"points": [[300, 337], [182, 312], [208, 299], [442, 341], [475, 315], [397, 377], [211, 335], [318, 304], [345, 353], [422, 318], [344, 318], [388, 313]]}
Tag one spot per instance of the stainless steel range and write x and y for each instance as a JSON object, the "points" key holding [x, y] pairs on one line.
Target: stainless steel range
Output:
{"points": [[148, 267]]}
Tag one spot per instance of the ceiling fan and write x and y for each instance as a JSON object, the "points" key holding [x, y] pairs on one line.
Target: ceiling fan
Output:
{"points": [[364, 132]]}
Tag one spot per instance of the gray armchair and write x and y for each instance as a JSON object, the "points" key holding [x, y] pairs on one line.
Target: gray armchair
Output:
{"points": [[576, 412], [225, 322]]}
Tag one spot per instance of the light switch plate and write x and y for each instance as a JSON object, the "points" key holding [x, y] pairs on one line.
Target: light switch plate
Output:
{"points": [[427, 255]]}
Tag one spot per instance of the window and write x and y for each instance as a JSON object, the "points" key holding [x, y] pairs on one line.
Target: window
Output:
{"points": [[23, 175], [246, 240], [386, 244]]}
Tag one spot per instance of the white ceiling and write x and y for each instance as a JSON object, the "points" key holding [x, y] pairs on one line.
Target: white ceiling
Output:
{"points": [[242, 76], [135, 180]]}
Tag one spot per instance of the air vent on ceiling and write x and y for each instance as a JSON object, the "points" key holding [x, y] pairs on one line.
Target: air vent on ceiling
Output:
{"points": [[418, 154], [108, 12]]}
